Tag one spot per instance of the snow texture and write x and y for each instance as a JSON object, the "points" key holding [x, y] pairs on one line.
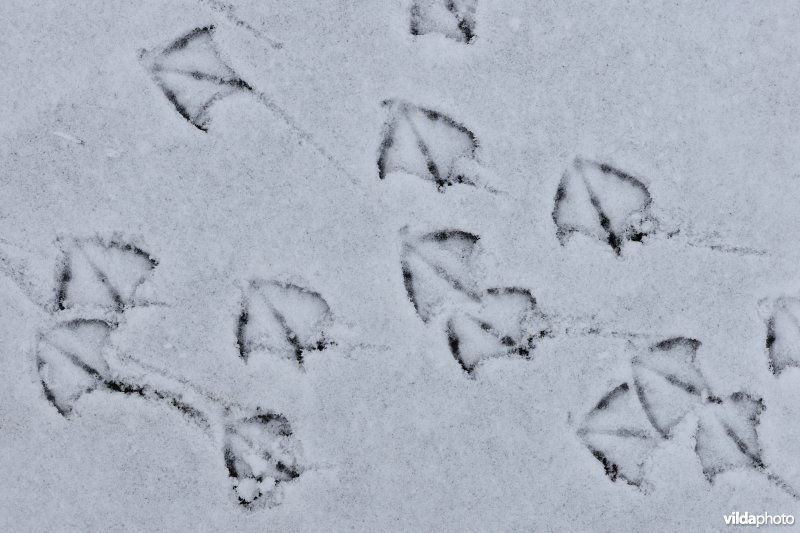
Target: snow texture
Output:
{"points": [[457, 265]]}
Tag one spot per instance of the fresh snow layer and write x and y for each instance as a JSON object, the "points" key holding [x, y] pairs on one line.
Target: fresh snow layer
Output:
{"points": [[481, 265]]}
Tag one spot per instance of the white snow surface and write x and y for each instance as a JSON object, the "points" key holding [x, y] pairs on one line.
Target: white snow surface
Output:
{"points": [[698, 101]]}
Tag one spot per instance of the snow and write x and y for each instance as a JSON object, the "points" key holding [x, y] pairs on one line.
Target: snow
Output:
{"points": [[134, 237]]}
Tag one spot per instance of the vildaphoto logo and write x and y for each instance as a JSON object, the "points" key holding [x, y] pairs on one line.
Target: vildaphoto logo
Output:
{"points": [[746, 519]]}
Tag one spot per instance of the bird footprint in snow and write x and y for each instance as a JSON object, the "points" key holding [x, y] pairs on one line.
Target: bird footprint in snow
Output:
{"points": [[455, 19], [438, 270], [70, 361], [430, 145], [259, 450], [603, 203], [282, 319], [71, 355], [193, 75], [626, 425], [440, 279], [606, 204], [101, 274], [260, 453], [783, 335], [618, 434], [508, 323]]}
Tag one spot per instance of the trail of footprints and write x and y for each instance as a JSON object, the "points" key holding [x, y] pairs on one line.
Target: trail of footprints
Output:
{"points": [[627, 424], [98, 283], [100, 280], [481, 323]]}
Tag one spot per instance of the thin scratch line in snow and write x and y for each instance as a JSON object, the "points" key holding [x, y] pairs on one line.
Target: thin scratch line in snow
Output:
{"points": [[68, 137], [270, 104], [229, 13]]}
